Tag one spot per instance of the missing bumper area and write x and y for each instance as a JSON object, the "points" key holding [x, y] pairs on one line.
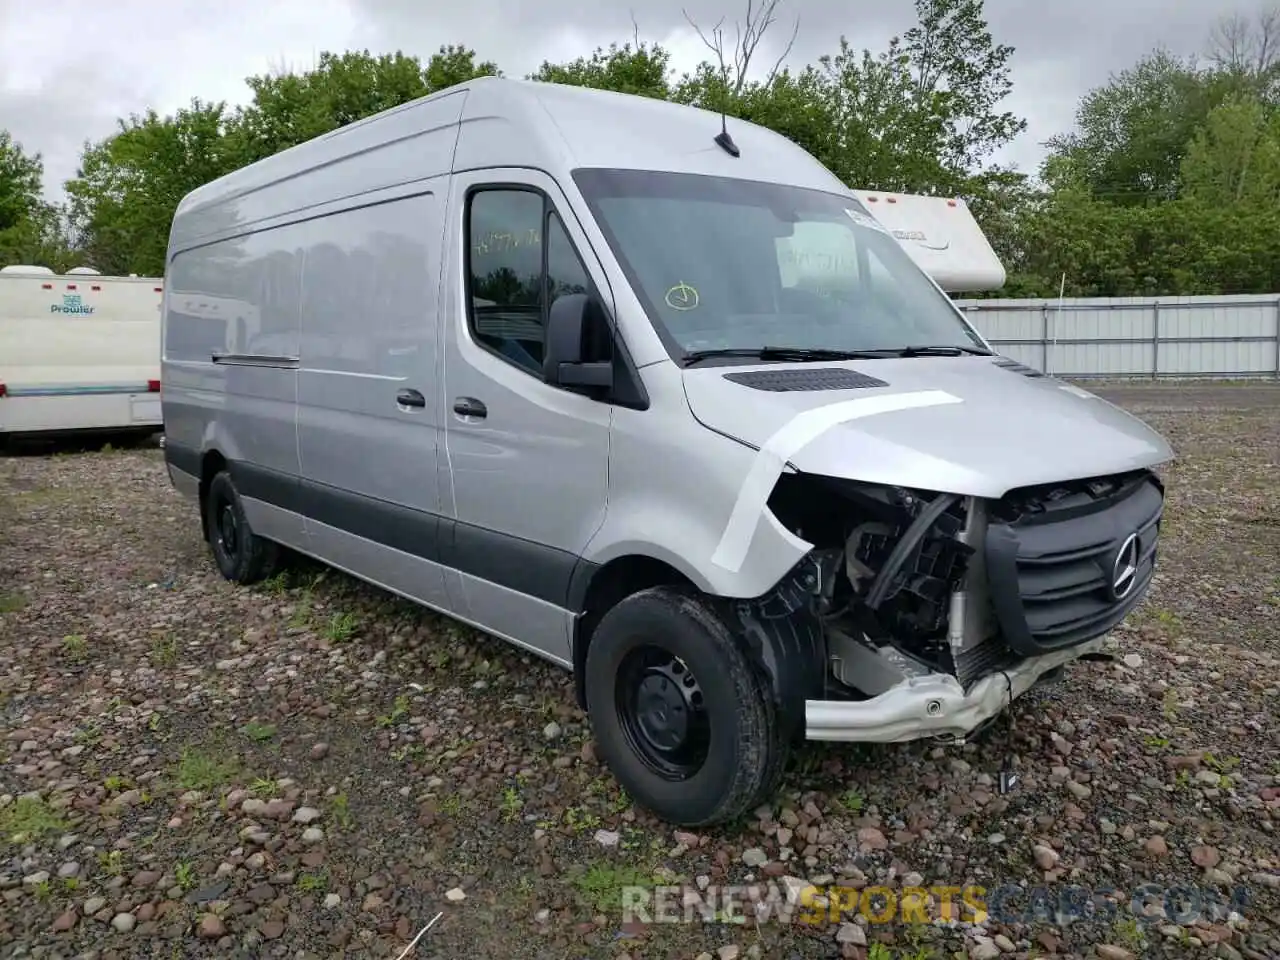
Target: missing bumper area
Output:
{"points": [[933, 704]]}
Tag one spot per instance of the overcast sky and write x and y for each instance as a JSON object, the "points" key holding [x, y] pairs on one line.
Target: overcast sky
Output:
{"points": [[69, 68]]}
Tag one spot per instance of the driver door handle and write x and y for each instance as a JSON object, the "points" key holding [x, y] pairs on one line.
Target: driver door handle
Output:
{"points": [[411, 398], [470, 407]]}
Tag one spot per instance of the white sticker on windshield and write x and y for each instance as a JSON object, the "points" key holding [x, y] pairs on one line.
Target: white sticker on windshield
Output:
{"points": [[865, 220]]}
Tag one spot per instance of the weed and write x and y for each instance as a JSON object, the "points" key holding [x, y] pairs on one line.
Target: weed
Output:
{"points": [[1129, 933], [164, 650], [1222, 765], [1169, 704], [313, 882], [185, 875], [410, 751], [203, 771], [277, 584], [399, 710], [76, 647], [12, 602], [301, 616], [341, 626], [31, 817], [43, 889], [852, 801], [261, 732], [601, 885], [580, 820], [451, 806], [438, 659], [342, 810], [511, 804], [115, 783], [112, 863], [263, 788], [70, 884], [1157, 742]]}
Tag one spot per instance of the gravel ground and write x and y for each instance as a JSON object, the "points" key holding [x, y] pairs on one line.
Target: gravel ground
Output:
{"points": [[311, 768]]}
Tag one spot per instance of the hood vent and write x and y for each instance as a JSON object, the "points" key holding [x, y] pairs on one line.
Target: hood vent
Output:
{"points": [[1013, 366], [806, 380]]}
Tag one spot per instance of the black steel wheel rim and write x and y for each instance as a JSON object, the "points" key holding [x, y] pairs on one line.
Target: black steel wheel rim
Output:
{"points": [[228, 530], [662, 712]]}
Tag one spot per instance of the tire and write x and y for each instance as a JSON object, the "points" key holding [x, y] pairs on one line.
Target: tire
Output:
{"points": [[241, 555], [666, 647]]}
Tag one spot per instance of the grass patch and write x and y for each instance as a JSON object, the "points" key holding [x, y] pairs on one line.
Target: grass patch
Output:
{"points": [[198, 770], [399, 710], [342, 810], [30, 817], [601, 885], [313, 882], [12, 602], [75, 647], [258, 732], [164, 651], [341, 626]]}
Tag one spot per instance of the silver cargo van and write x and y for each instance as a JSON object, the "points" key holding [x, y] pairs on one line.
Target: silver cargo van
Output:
{"points": [[656, 398]]}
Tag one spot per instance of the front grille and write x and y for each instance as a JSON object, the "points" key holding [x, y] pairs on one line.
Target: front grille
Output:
{"points": [[1053, 561]]}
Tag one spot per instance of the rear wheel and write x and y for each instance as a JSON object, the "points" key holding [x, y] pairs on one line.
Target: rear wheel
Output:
{"points": [[679, 715], [241, 555]]}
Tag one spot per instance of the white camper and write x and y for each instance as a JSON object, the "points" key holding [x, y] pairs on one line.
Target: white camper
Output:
{"points": [[941, 236], [78, 351]]}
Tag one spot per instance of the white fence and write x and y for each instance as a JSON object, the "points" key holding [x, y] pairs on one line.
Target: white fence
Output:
{"points": [[1224, 337]]}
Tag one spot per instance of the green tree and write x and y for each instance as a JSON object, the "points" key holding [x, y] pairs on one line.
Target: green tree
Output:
{"points": [[31, 229], [641, 69], [291, 108], [129, 185], [20, 179], [1235, 156]]}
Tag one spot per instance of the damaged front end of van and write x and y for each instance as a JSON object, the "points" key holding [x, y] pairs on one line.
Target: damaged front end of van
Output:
{"points": [[964, 527], [936, 610]]}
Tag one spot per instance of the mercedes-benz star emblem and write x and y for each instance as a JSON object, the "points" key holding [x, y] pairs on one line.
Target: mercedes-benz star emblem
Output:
{"points": [[1124, 572]]}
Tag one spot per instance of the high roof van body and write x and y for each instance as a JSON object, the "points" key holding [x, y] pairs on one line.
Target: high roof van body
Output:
{"points": [[659, 400]]}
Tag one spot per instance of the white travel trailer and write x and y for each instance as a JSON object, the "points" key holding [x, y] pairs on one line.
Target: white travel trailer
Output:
{"points": [[78, 352], [941, 235], [656, 397]]}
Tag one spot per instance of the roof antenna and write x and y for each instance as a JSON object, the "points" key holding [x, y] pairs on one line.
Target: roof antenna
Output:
{"points": [[723, 140]]}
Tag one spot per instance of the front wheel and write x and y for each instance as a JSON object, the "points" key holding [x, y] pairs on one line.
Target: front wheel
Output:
{"points": [[241, 555], [679, 715]]}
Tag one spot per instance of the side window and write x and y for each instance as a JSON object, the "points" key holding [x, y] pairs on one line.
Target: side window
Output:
{"points": [[520, 260]]}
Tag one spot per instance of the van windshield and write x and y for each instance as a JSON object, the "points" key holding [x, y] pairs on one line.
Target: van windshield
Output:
{"points": [[727, 264]]}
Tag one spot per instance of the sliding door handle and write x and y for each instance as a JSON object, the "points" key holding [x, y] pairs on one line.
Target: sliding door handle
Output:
{"points": [[470, 407], [411, 398]]}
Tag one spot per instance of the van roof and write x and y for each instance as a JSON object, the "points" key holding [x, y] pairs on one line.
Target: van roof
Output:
{"points": [[551, 126]]}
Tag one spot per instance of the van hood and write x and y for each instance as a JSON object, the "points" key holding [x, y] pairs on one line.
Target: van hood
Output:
{"points": [[964, 425]]}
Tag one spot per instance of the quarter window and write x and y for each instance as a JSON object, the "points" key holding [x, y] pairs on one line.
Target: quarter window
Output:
{"points": [[519, 260]]}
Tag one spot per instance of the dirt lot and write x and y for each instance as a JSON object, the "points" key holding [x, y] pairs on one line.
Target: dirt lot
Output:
{"points": [[311, 768]]}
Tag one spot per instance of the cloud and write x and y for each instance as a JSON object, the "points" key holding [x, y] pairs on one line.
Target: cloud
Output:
{"points": [[133, 54]]}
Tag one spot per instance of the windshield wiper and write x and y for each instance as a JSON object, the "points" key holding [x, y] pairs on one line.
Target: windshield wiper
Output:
{"points": [[948, 350], [785, 353]]}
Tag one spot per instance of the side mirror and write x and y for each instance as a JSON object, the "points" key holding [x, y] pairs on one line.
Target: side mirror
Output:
{"points": [[564, 345]]}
